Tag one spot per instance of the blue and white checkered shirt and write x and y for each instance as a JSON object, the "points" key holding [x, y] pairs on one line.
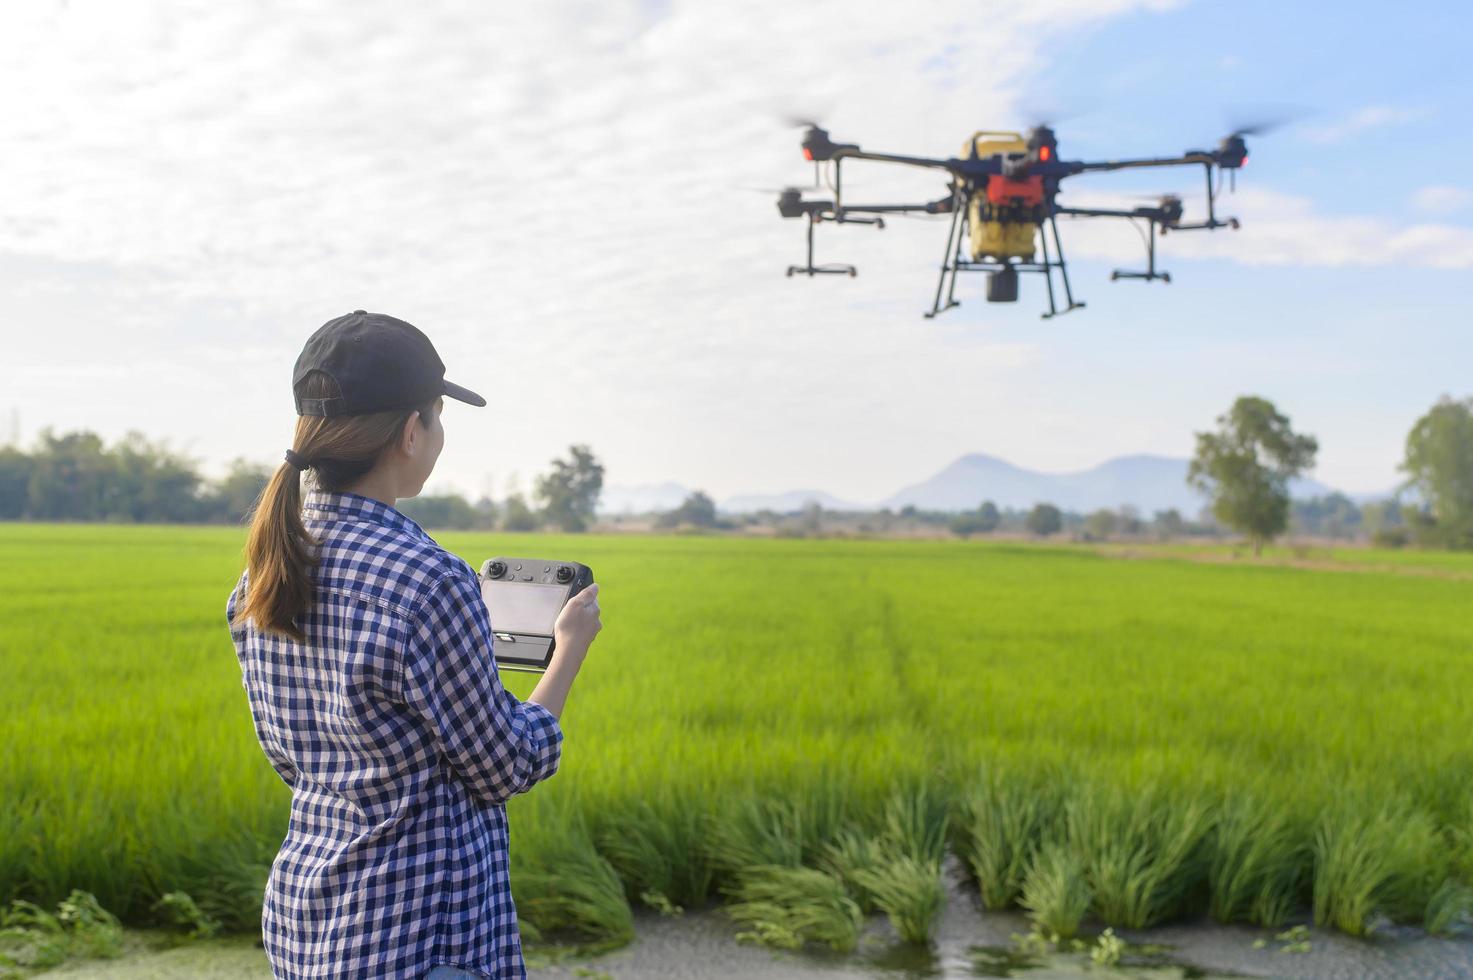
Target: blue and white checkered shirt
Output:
{"points": [[401, 748]]}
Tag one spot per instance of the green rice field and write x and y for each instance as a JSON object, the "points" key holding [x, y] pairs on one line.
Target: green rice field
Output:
{"points": [[805, 729]]}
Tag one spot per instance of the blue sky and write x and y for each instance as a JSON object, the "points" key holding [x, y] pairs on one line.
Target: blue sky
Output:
{"points": [[557, 194]]}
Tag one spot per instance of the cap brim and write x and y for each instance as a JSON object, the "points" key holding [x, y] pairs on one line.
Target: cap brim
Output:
{"points": [[464, 394]]}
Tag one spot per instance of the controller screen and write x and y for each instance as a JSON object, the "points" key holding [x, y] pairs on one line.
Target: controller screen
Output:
{"points": [[524, 607]]}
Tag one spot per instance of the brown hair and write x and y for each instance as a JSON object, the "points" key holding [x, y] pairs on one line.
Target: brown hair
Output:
{"points": [[279, 551]]}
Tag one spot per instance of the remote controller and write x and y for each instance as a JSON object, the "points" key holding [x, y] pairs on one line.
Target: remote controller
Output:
{"points": [[523, 598]]}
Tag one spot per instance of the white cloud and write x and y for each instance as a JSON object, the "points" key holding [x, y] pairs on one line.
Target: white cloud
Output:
{"points": [[553, 191], [1440, 198], [1278, 229], [1362, 120]]}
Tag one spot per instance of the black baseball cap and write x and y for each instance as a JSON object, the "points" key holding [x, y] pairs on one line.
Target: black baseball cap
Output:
{"points": [[379, 363]]}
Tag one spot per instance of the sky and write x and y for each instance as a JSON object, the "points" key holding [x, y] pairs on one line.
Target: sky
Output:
{"points": [[572, 200]]}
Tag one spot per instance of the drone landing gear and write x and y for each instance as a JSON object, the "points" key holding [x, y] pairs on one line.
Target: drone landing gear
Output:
{"points": [[1049, 265], [830, 270], [1150, 274], [1002, 281]]}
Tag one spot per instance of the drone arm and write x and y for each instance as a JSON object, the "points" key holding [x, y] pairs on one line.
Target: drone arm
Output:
{"points": [[857, 154], [1153, 214], [940, 206], [1105, 165]]}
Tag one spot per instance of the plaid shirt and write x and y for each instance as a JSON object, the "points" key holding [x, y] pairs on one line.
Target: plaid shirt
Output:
{"points": [[401, 748]]}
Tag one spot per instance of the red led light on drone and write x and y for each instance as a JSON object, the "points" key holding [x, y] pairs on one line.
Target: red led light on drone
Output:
{"points": [[1044, 153], [807, 153]]}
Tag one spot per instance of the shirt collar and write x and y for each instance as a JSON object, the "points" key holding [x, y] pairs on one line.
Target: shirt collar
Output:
{"points": [[344, 505]]}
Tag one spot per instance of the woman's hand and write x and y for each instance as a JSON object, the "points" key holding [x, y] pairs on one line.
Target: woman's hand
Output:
{"points": [[578, 623]]}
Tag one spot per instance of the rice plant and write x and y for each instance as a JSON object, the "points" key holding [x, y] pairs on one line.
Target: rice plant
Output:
{"points": [[1002, 819], [659, 853], [1371, 863], [1260, 861], [572, 892], [846, 857], [1055, 891], [789, 906], [693, 753], [1143, 850], [909, 891]]}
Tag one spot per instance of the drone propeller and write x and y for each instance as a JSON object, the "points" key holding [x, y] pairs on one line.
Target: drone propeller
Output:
{"points": [[1260, 127]]}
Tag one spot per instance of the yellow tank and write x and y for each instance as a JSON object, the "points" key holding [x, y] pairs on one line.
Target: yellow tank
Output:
{"points": [[1011, 237]]}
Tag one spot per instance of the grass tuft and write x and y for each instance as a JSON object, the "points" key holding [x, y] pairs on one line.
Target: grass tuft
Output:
{"points": [[1143, 849], [1261, 856], [1002, 819], [788, 906], [909, 891], [1054, 890]]}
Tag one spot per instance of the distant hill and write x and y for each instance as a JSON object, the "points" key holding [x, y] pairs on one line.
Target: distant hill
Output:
{"points": [[1148, 483], [785, 502]]}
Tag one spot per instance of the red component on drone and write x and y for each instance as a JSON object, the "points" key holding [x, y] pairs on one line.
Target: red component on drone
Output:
{"points": [[1005, 190]]}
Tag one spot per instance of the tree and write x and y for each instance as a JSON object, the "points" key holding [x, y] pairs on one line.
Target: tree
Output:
{"points": [[569, 494], [150, 483], [1333, 515], [1100, 525], [15, 483], [983, 520], [1169, 523], [1439, 464], [697, 508], [1043, 520], [1245, 468], [1130, 522], [71, 478], [516, 515], [450, 511], [235, 496], [810, 519], [486, 513]]}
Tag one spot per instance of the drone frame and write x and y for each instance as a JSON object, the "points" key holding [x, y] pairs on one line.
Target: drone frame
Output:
{"points": [[969, 176]]}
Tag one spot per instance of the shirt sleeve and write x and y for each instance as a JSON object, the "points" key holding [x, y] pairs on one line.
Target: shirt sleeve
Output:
{"points": [[499, 746], [274, 755]]}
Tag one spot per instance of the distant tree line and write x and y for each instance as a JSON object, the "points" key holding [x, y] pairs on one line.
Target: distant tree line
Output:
{"points": [[76, 477], [1243, 468]]}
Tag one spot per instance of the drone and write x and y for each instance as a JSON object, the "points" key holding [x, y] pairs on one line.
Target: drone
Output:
{"points": [[1002, 198]]}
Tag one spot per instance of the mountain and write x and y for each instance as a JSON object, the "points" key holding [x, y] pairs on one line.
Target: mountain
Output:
{"points": [[785, 502], [1148, 483]]}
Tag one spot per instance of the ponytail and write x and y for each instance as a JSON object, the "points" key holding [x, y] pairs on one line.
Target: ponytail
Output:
{"points": [[280, 553], [279, 557]]}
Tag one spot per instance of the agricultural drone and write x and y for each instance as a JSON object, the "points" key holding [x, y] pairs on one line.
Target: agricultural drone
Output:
{"points": [[1002, 199]]}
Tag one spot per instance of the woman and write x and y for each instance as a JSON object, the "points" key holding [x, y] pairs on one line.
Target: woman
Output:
{"points": [[366, 655]]}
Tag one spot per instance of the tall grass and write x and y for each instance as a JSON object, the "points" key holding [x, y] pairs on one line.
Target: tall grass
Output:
{"points": [[1002, 819], [1182, 733], [1372, 862], [1054, 888], [1143, 849], [1260, 864]]}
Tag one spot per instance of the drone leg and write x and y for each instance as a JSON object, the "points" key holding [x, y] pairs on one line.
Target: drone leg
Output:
{"points": [[946, 262], [810, 245], [1048, 272], [1063, 269], [1211, 215], [956, 264]]}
